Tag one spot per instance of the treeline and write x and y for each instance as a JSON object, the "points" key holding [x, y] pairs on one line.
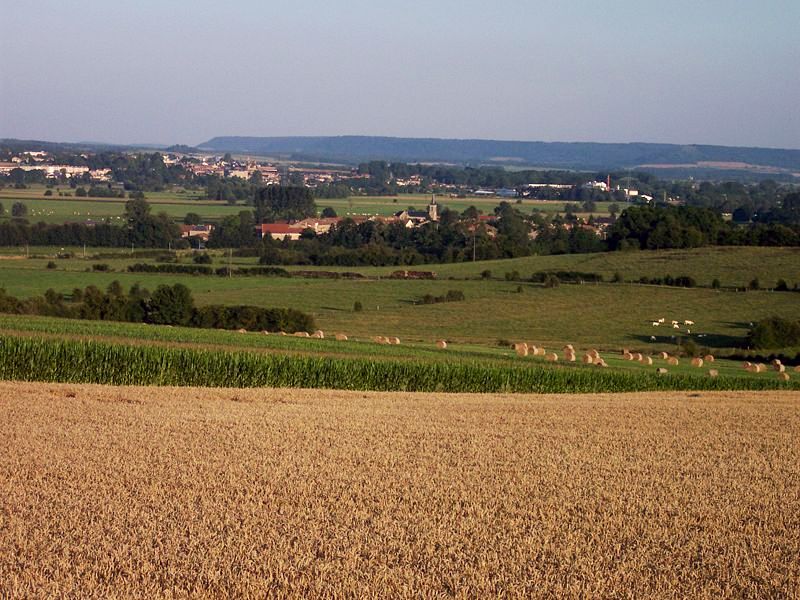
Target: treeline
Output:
{"points": [[774, 332], [143, 230], [167, 305], [657, 227]]}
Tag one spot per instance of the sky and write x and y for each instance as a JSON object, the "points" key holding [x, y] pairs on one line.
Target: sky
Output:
{"points": [[702, 71]]}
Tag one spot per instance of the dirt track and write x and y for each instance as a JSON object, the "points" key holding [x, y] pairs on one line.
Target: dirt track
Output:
{"points": [[172, 491]]}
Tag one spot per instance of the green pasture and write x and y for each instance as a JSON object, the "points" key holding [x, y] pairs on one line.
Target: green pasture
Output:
{"points": [[608, 316], [80, 210], [176, 203]]}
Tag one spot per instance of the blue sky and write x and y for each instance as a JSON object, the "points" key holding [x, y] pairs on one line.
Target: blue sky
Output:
{"points": [[715, 72]]}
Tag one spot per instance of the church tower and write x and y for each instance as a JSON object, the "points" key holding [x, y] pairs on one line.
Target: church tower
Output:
{"points": [[433, 209]]}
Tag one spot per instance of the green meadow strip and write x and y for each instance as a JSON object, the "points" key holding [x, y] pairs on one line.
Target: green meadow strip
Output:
{"points": [[77, 361]]}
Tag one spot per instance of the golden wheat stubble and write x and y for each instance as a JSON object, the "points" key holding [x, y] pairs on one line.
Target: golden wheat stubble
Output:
{"points": [[165, 492]]}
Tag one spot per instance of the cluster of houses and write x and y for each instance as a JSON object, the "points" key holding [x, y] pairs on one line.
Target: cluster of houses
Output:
{"points": [[39, 161], [409, 218]]}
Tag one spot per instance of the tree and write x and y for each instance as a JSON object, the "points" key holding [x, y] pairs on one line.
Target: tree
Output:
{"points": [[280, 202], [19, 210], [192, 218], [328, 213], [171, 305], [81, 192]]}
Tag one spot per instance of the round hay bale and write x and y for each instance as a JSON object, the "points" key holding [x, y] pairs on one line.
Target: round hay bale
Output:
{"points": [[784, 376], [568, 348], [587, 359], [242, 330], [533, 350], [797, 369], [551, 357], [595, 354], [627, 356], [637, 357], [747, 364], [282, 333], [646, 360], [601, 363], [663, 356], [775, 362], [780, 368], [340, 337], [709, 358], [521, 350], [761, 368], [697, 362], [569, 356], [379, 339], [265, 332], [395, 341], [713, 373], [673, 361], [441, 345], [661, 371], [303, 334], [319, 334]]}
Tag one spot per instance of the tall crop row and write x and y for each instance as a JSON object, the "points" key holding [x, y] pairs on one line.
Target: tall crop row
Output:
{"points": [[92, 362]]}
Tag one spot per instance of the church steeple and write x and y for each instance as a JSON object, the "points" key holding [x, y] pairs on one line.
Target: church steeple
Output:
{"points": [[433, 209]]}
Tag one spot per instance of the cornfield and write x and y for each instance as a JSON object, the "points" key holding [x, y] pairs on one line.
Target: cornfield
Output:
{"points": [[75, 361]]}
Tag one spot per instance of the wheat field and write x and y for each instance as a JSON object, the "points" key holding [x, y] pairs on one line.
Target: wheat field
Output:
{"points": [[174, 492]]}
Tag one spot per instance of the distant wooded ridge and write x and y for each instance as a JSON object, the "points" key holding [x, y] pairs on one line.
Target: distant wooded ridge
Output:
{"points": [[564, 155]]}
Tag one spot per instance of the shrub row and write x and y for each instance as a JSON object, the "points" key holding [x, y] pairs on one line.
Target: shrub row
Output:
{"points": [[450, 296]]}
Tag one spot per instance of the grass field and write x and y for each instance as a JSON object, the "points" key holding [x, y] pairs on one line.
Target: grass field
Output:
{"points": [[72, 210], [142, 492], [604, 315], [56, 209]]}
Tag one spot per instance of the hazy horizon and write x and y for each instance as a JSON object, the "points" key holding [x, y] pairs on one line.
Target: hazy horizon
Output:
{"points": [[719, 74]]}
